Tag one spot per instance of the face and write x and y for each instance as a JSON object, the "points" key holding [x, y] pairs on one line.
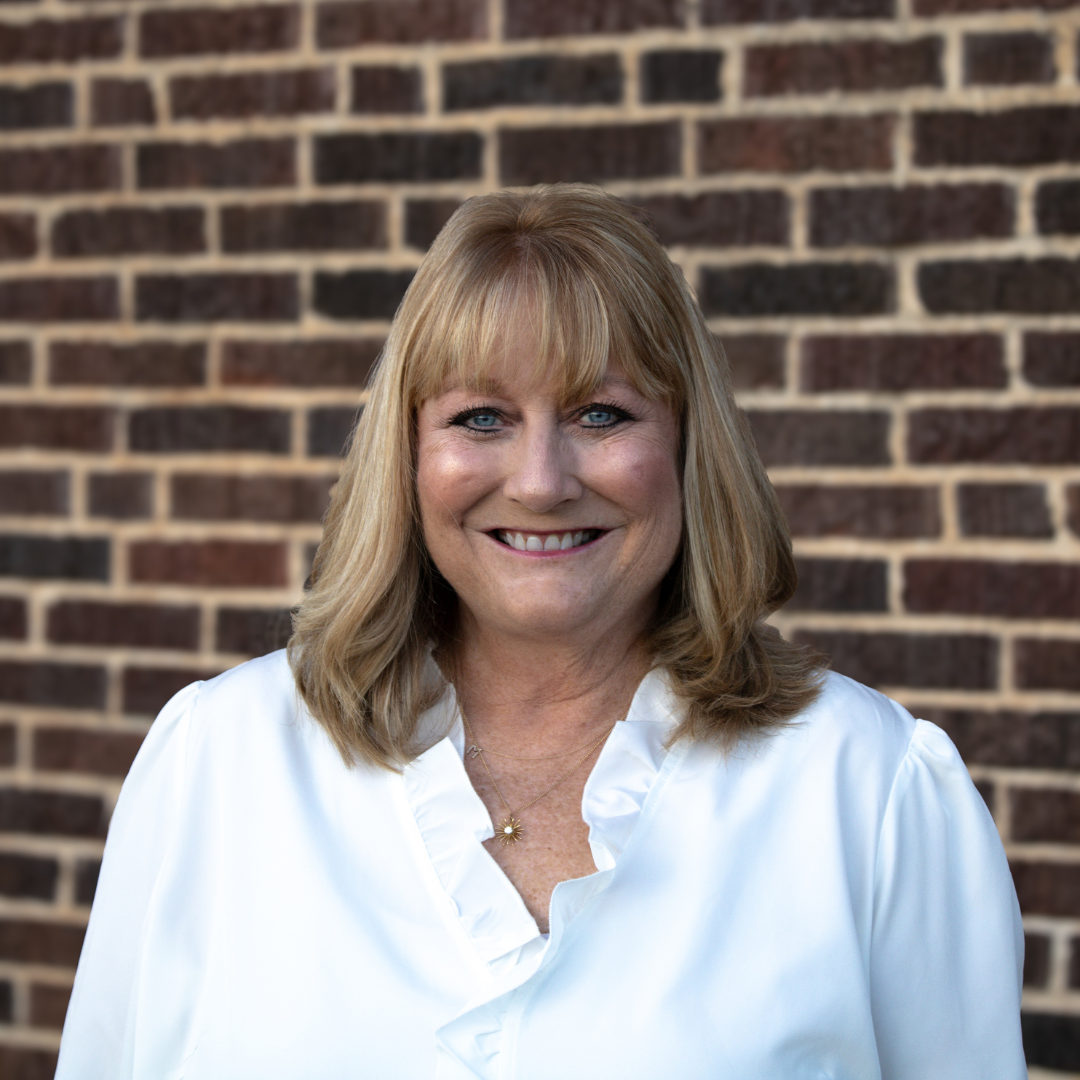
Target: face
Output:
{"points": [[548, 519]]}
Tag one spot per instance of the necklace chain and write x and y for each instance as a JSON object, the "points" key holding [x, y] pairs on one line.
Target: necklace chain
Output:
{"points": [[510, 830]]}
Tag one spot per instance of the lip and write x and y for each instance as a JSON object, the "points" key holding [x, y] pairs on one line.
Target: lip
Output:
{"points": [[493, 535]]}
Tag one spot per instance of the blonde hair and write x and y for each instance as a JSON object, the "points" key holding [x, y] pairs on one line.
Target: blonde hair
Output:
{"points": [[601, 287]]}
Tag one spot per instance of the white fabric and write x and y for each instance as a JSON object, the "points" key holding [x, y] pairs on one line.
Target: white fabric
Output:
{"points": [[832, 902]]}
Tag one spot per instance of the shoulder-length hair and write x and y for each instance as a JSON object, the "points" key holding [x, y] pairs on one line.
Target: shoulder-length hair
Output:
{"points": [[601, 289]]}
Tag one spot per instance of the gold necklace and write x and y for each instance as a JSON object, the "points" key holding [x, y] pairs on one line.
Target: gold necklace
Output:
{"points": [[510, 830]]}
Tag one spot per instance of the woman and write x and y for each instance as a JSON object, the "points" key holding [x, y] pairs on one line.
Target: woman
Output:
{"points": [[535, 793]]}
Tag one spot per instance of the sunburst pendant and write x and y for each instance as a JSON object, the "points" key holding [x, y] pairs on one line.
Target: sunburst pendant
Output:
{"points": [[510, 830]]}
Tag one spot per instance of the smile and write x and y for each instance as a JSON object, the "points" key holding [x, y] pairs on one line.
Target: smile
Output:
{"points": [[522, 541]]}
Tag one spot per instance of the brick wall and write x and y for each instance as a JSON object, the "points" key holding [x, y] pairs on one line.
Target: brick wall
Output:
{"points": [[209, 211]]}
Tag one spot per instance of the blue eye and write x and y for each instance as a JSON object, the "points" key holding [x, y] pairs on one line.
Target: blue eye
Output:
{"points": [[484, 420], [599, 416]]}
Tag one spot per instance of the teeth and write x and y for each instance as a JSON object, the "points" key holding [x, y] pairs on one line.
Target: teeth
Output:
{"points": [[577, 538], [551, 542], [534, 543], [519, 542], [567, 541]]}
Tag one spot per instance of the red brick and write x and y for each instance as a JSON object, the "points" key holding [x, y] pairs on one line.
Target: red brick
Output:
{"points": [[681, 75], [18, 236], [802, 437], [809, 288], [1004, 510], [209, 563], [1044, 815], [1037, 740], [820, 67], [53, 812], [1033, 135], [1036, 960], [175, 230], [122, 496], [40, 105], [1008, 59], [84, 750], [360, 294], [202, 31], [555, 18], [919, 214], [553, 79], [424, 219], [253, 93], [142, 363], [214, 497], [64, 686], [903, 362], [310, 362], [720, 218], [756, 360], [120, 102], [253, 631], [313, 226], [1017, 286], [1052, 359], [796, 144], [58, 170], [1047, 888], [48, 1005], [840, 585], [330, 431], [15, 363], [1022, 590], [386, 89], [26, 876], [57, 41], [12, 621], [592, 153], [56, 428], [245, 163], [1022, 436], [393, 156], [1047, 664], [199, 298], [772, 11], [399, 22], [25, 1063], [33, 941], [70, 558], [141, 626], [146, 690], [33, 491], [209, 428], [59, 299], [939, 661], [958, 7], [887, 513]]}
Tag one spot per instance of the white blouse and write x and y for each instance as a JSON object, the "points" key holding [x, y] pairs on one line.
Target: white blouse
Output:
{"points": [[832, 901]]}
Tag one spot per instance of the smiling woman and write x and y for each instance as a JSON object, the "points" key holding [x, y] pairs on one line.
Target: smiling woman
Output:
{"points": [[536, 792]]}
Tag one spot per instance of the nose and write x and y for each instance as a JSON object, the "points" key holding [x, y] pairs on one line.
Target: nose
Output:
{"points": [[541, 471]]}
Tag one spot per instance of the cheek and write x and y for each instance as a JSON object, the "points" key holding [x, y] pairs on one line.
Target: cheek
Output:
{"points": [[449, 480]]}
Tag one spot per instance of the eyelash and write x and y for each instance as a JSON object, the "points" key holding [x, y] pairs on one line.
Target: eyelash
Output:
{"points": [[620, 415]]}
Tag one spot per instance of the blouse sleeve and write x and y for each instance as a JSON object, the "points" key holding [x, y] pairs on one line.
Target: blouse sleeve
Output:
{"points": [[947, 942], [96, 1042]]}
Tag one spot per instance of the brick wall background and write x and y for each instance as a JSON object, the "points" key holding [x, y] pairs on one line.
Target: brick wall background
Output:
{"points": [[209, 211]]}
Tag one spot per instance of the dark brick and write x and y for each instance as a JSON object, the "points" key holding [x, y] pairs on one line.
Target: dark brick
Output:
{"points": [[65, 686], [42, 105], [86, 878], [1074, 962], [1034, 135], [25, 876], [143, 363], [213, 497], [533, 80], [209, 429], [1046, 888], [756, 360], [1052, 359], [59, 299], [56, 427], [147, 690], [1009, 590], [245, 163], [209, 563], [424, 219], [1051, 1042], [1024, 436], [16, 360], [84, 750], [7, 744], [386, 89], [903, 362], [854, 66], [600, 152], [802, 437], [123, 496], [1072, 505], [315, 226], [253, 631], [399, 22], [48, 1005], [1057, 207], [306, 362], [1004, 510], [956, 7], [360, 294], [249, 297], [1042, 740], [57, 170], [1017, 286], [33, 491], [1044, 815], [31, 941], [555, 18], [18, 236], [145, 626], [770, 11], [1047, 664], [6, 1007], [939, 661], [1008, 59], [176, 230], [329, 431], [120, 102], [812, 288], [840, 585], [398, 157], [253, 93], [719, 218], [892, 217], [681, 75], [202, 31], [12, 625], [53, 812], [61, 41], [987, 789], [25, 1063], [1036, 960], [68, 558]]}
